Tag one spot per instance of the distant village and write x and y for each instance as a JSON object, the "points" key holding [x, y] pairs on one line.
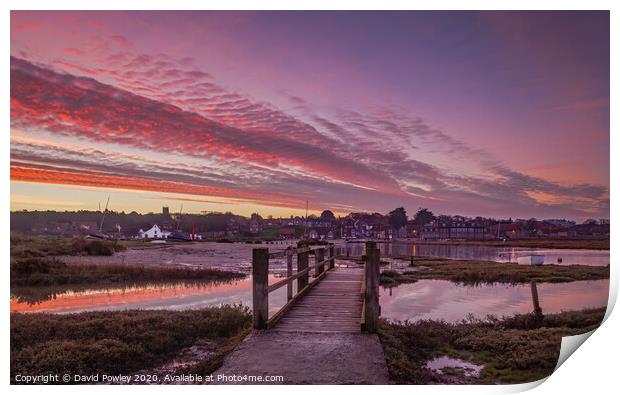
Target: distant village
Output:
{"points": [[422, 225]]}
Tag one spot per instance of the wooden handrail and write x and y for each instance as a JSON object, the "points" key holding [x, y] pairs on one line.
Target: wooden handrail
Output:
{"points": [[287, 280], [363, 296], [292, 277], [261, 289]]}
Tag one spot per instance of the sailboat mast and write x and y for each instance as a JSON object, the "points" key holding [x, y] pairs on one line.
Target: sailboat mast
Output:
{"points": [[103, 215]]}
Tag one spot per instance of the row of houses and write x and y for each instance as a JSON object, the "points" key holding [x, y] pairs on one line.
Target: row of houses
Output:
{"points": [[363, 230], [462, 228], [442, 228], [353, 226], [465, 232], [519, 229], [256, 224]]}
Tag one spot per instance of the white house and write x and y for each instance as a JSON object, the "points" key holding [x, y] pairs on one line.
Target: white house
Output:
{"points": [[154, 233]]}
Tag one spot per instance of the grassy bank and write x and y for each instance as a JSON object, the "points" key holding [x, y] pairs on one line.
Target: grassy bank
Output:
{"points": [[119, 342], [37, 274], [53, 272], [512, 350], [485, 272], [579, 244], [32, 247]]}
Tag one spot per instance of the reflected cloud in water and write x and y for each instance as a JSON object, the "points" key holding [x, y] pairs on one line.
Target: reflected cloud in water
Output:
{"points": [[174, 296], [440, 299]]}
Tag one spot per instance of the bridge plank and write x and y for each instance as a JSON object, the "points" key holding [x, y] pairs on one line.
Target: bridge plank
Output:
{"points": [[333, 306]]}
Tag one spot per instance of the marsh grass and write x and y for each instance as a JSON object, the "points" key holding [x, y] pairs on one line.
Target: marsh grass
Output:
{"points": [[53, 272], [391, 278], [119, 342], [486, 272], [34, 263], [33, 247], [518, 349]]}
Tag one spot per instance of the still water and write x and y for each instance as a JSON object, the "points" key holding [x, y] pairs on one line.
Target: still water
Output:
{"points": [[426, 299], [440, 299], [485, 253], [174, 296]]}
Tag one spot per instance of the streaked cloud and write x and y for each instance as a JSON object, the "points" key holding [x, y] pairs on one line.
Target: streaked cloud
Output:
{"points": [[106, 114]]}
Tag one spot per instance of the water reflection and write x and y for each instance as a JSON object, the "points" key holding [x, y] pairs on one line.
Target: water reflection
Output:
{"points": [[39, 294], [439, 363], [486, 253], [425, 299], [174, 296], [440, 299]]}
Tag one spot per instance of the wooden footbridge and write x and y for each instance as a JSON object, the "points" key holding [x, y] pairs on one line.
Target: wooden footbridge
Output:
{"points": [[324, 333], [337, 299]]}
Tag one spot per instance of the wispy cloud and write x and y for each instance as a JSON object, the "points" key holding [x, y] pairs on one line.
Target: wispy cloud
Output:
{"points": [[158, 122]]}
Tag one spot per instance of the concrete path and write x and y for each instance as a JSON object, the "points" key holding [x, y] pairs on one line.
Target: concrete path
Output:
{"points": [[318, 341], [308, 358]]}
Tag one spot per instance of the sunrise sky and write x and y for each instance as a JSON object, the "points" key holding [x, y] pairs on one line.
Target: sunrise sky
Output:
{"points": [[473, 113]]}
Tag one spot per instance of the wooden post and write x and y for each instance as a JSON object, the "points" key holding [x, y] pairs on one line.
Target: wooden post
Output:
{"points": [[537, 310], [260, 294], [332, 259], [319, 256], [289, 273], [371, 295], [302, 263]]}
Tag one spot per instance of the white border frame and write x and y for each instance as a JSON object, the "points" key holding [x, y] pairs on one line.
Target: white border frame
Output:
{"points": [[592, 369]]}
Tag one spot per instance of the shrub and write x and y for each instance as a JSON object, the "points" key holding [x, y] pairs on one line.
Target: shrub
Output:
{"points": [[36, 247], [513, 350], [98, 247], [49, 271], [116, 342]]}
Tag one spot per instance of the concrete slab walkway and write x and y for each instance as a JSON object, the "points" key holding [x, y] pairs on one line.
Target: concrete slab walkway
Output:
{"points": [[308, 358]]}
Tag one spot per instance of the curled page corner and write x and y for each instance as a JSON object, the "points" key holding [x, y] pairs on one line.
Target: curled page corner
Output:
{"points": [[569, 345], [515, 388]]}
